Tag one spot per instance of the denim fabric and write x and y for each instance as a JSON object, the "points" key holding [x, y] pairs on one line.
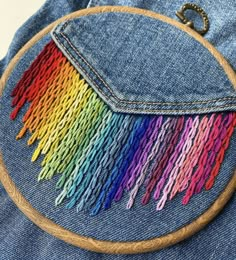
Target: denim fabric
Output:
{"points": [[20, 239], [144, 66], [221, 13]]}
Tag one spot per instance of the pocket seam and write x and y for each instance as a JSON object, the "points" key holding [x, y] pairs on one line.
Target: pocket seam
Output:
{"points": [[131, 102], [112, 92]]}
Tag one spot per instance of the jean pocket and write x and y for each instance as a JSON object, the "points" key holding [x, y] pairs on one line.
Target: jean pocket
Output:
{"points": [[131, 116], [144, 64]]}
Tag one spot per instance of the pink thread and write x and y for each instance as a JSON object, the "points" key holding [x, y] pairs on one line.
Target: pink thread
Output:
{"points": [[191, 160], [178, 164], [206, 159], [220, 156]]}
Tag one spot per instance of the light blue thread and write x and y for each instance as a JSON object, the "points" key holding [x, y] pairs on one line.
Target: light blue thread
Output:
{"points": [[109, 156], [94, 157], [117, 144], [72, 169], [122, 157]]}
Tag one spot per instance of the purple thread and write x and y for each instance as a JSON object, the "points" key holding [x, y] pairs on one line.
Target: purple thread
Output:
{"points": [[136, 163], [162, 150], [173, 158]]}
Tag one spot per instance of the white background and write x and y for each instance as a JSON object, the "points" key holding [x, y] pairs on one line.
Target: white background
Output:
{"points": [[13, 13]]}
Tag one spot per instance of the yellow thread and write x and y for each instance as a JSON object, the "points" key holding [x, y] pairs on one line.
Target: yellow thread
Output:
{"points": [[62, 116]]}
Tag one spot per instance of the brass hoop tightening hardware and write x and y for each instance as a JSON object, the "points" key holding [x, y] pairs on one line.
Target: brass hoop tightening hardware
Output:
{"points": [[200, 11]]}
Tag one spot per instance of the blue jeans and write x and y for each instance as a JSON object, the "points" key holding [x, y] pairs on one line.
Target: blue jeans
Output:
{"points": [[20, 239]]}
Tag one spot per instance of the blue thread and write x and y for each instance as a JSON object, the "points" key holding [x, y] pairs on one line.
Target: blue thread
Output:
{"points": [[120, 172], [111, 158], [94, 159], [132, 145]]}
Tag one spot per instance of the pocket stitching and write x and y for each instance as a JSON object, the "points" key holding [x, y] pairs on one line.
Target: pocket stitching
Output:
{"points": [[128, 109], [110, 89]]}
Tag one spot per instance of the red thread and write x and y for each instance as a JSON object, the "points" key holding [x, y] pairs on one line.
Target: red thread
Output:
{"points": [[220, 155], [27, 88], [202, 160]]}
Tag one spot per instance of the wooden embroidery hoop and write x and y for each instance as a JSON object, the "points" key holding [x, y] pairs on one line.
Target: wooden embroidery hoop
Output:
{"points": [[102, 246]]}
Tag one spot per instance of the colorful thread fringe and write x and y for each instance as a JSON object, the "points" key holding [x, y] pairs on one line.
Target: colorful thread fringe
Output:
{"points": [[101, 154]]}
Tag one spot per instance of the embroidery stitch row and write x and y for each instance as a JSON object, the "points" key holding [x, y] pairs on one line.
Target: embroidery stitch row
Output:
{"points": [[101, 154]]}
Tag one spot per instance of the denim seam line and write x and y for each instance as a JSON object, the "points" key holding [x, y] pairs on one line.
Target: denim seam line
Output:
{"points": [[135, 102], [128, 109], [112, 91]]}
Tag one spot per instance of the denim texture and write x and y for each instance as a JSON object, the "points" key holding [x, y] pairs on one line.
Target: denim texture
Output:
{"points": [[20, 239], [221, 13], [48, 13], [143, 66]]}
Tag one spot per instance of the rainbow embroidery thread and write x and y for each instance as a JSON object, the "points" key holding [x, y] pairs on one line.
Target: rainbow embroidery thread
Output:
{"points": [[101, 154]]}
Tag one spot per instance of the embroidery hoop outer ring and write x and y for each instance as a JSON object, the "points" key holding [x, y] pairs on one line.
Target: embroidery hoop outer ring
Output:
{"points": [[103, 246]]}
